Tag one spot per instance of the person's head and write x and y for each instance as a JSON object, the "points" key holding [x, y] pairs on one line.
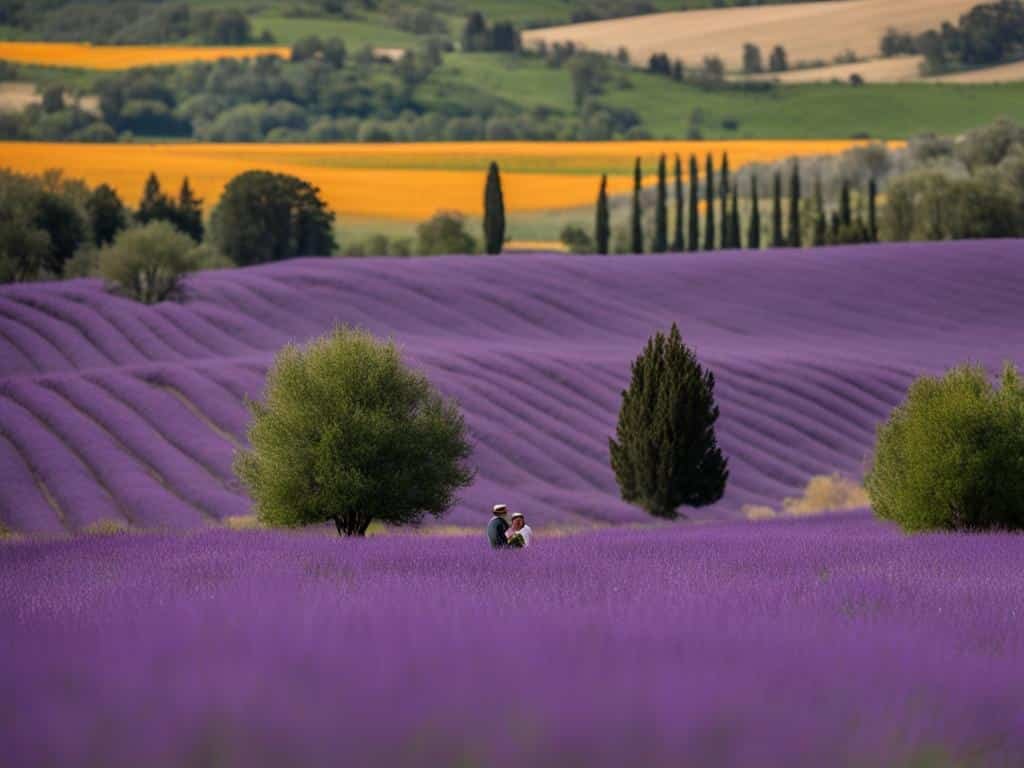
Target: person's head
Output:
{"points": [[518, 521], [499, 510]]}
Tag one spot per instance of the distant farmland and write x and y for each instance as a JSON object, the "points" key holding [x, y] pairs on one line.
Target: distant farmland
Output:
{"points": [[808, 31], [395, 181], [113, 57]]}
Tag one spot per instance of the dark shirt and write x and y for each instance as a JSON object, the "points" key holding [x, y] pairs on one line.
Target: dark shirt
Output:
{"points": [[496, 532]]}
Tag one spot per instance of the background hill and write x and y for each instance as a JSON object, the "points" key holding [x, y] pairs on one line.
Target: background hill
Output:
{"points": [[111, 410]]}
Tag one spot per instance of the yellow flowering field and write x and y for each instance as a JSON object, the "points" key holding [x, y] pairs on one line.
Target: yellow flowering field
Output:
{"points": [[396, 181], [86, 56]]}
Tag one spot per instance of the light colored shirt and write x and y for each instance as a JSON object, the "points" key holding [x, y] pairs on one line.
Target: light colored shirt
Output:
{"points": [[526, 532]]}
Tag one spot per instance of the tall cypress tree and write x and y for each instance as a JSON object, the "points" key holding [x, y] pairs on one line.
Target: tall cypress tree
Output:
{"points": [[723, 191], [154, 205], [665, 454], [677, 238], [795, 239], [189, 212], [494, 211], [820, 224], [693, 243], [872, 212], [636, 242], [735, 238], [660, 244], [845, 211], [777, 241], [709, 202], [602, 230], [754, 229]]}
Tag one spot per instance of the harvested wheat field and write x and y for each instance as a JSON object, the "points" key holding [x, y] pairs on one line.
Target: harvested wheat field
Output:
{"points": [[1004, 73], [86, 56], [396, 181], [808, 31], [898, 69]]}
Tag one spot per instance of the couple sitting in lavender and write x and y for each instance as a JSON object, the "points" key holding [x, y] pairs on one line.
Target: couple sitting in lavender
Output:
{"points": [[501, 534]]}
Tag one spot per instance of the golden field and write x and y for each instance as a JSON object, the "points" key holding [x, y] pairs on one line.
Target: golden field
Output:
{"points": [[897, 69], [86, 56], [808, 31], [406, 182]]}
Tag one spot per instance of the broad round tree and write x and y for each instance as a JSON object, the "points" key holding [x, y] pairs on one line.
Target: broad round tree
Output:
{"points": [[348, 434], [951, 456], [665, 454]]}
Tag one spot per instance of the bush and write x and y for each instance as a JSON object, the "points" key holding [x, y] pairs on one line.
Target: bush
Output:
{"points": [[265, 216], [665, 454], [951, 457], [147, 263], [348, 434], [576, 239], [444, 232]]}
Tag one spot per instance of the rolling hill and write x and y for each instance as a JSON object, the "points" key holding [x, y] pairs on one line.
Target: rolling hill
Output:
{"points": [[110, 410]]}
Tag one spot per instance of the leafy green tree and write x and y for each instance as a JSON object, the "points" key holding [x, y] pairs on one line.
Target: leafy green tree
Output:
{"points": [[709, 203], [154, 204], [494, 211], [754, 227], [693, 243], [475, 35], [778, 61], [23, 249], [107, 215], [677, 238], [443, 233], [306, 48], [795, 240], [61, 220], [147, 263], [665, 454], [660, 244], [576, 239], [777, 240], [636, 230], [752, 59], [349, 434], [265, 216], [53, 98], [602, 229], [725, 239], [950, 456]]}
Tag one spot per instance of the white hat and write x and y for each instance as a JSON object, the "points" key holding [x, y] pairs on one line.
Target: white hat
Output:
{"points": [[518, 514], [499, 509]]}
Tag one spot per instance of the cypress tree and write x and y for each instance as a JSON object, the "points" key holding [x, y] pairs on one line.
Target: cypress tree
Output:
{"points": [[602, 231], [834, 226], [154, 204], [845, 212], [660, 244], [665, 454], [709, 210], [795, 239], [777, 241], [694, 231], [637, 238], [872, 212], [754, 229], [189, 213], [677, 239], [820, 226], [734, 222], [494, 211], [723, 189]]}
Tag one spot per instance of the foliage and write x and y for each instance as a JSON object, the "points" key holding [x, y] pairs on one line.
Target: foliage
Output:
{"points": [[494, 211], [348, 434], [602, 226], [444, 232], [665, 454], [636, 242], [660, 240], [951, 457], [988, 34], [147, 263], [577, 240], [265, 216], [63, 221], [107, 215]]}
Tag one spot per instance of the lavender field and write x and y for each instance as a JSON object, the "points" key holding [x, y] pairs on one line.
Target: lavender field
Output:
{"points": [[832, 641], [114, 411]]}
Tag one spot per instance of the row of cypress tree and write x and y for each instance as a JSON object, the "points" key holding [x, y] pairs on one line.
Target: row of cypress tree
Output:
{"points": [[842, 226]]}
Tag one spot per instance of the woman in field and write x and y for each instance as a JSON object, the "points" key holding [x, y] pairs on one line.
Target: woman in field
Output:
{"points": [[519, 533]]}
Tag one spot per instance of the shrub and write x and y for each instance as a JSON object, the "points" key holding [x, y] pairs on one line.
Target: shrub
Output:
{"points": [[349, 434], [147, 263], [827, 493], [576, 239], [444, 232], [665, 454], [951, 456], [265, 216]]}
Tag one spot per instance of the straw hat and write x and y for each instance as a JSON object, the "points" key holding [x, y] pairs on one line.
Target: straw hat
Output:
{"points": [[499, 509], [517, 514]]}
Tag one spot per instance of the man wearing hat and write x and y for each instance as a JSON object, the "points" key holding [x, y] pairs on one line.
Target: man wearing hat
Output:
{"points": [[497, 527]]}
